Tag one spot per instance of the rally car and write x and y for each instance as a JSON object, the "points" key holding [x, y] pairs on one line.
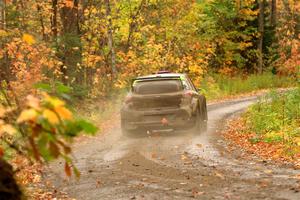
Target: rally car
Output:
{"points": [[163, 101]]}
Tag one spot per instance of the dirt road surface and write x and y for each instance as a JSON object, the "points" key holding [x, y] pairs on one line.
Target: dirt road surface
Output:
{"points": [[175, 166]]}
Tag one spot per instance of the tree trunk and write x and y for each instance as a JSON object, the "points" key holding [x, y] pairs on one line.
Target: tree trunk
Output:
{"points": [[71, 43], [4, 62], [9, 189], [41, 19], [273, 13], [261, 19], [3, 14], [110, 39], [54, 20], [239, 5]]}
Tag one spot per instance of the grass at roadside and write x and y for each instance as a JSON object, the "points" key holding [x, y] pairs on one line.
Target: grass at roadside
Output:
{"points": [[218, 86], [271, 127], [276, 119]]}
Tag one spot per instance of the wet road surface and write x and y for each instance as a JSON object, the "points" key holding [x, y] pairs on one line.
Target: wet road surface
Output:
{"points": [[175, 165]]}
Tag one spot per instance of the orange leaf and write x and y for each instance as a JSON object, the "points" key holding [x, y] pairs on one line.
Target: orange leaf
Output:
{"points": [[68, 169], [2, 111], [69, 3], [1, 152], [63, 112], [50, 116], [54, 149]]}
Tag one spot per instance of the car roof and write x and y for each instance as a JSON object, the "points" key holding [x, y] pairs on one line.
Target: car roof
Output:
{"points": [[163, 75]]}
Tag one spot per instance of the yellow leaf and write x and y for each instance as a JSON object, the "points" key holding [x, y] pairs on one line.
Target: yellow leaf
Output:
{"points": [[29, 39], [7, 128], [3, 33], [297, 141], [27, 115], [55, 102], [63, 112], [50, 116]]}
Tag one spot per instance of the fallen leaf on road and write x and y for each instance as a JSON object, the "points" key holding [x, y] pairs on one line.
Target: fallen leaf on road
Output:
{"points": [[196, 193], [98, 183], [153, 155], [220, 175], [184, 157], [187, 162], [268, 171], [162, 158]]}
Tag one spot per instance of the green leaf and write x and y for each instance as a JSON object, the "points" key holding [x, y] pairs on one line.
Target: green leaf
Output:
{"points": [[61, 88], [87, 127], [43, 86], [42, 145], [76, 172]]}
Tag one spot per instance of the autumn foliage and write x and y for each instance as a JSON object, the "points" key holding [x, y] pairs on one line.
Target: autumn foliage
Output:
{"points": [[96, 47]]}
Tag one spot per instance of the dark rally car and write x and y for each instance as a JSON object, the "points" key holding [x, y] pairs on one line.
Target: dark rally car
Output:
{"points": [[163, 101]]}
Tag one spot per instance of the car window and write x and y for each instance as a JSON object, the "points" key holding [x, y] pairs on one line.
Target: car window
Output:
{"points": [[191, 83], [157, 86], [186, 85]]}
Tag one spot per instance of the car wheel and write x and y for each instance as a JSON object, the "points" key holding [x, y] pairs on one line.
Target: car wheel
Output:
{"points": [[203, 126], [203, 120], [124, 130], [197, 121]]}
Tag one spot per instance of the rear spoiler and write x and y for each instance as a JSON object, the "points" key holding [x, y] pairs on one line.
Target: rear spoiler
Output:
{"points": [[133, 81]]}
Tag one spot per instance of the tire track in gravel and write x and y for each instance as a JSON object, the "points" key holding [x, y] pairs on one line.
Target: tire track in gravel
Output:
{"points": [[180, 165]]}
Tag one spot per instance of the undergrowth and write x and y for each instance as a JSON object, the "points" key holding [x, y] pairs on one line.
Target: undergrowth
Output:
{"points": [[217, 86], [276, 119], [100, 110]]}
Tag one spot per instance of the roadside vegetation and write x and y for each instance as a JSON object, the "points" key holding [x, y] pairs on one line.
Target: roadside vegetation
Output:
{"points": [[219, 86], [270, 128], [276, 119], [64, 59]]}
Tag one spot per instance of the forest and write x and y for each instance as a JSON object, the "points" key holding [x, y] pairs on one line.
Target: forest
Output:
{"points": [[97, 46], [58, 54]]}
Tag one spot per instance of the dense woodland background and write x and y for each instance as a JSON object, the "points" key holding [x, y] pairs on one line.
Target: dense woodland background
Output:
{"points": [[98, 45], [89, 50]]}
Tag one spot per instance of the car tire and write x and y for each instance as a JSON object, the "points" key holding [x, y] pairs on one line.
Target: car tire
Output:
{"points": [[124, 130], [204, 117], [197, 121]]}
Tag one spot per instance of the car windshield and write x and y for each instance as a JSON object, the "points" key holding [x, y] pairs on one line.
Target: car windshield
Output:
{"points": [[157, 86]]}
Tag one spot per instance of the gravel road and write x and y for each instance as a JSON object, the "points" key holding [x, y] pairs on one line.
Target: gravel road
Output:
{"points": [[175, 165]]}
